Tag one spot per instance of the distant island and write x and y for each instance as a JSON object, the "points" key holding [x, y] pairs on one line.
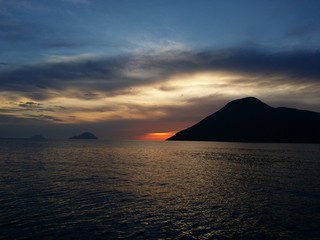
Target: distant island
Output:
{"points": [[85, 135], [250, 120]]}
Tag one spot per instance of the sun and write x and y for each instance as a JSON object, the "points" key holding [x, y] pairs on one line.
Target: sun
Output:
{"points": [[157, 136]]}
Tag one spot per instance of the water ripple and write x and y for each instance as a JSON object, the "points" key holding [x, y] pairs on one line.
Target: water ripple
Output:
{"points": [[166, 190]]}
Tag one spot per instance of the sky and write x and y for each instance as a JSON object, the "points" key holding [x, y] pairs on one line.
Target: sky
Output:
{"points": [[141, 69]]}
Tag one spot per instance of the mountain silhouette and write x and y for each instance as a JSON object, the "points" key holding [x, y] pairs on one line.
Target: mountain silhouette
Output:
{"points": [[250, 120], [85, 135]]}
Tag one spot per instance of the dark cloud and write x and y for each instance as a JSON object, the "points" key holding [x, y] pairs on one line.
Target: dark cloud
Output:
{"points": [[33, 81], [43, 117], [9, 121], [38, 107], [49, 118], [298, 64], [118, 74], [29, 105]]}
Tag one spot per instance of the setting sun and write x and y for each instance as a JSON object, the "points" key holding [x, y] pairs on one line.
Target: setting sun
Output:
{"points": [[161, 136]]}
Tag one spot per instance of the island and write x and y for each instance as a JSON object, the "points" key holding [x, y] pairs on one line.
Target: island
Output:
{"points": [[85, 135], [250, 120]]}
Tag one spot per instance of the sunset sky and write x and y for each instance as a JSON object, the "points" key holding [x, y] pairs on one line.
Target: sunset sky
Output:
{"points": [[144, 69]]}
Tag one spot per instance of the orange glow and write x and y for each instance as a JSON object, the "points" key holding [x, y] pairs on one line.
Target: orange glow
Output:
{"points": [[161, 136]]}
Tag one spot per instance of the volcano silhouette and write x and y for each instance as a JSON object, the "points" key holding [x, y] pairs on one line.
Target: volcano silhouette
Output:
{"points": [[250, 120], [85, 135]]}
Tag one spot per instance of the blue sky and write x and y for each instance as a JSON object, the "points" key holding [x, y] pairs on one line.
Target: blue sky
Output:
{"points": [[135, 67], [37, 30]]}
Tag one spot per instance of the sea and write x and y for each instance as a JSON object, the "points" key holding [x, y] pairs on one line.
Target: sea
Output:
{"points": [[95, 189]]}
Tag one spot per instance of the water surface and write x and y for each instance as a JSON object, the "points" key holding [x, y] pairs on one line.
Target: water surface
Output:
{"points": [[158, 190]]}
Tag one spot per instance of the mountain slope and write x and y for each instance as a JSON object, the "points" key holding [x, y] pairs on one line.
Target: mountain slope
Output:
{"points": [[85, 135], [250, 120]]}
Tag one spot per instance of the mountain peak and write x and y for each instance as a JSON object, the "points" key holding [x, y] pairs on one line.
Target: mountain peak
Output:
{"points": [[250, 120], [244, 107], [250, 102], [85, 135]]}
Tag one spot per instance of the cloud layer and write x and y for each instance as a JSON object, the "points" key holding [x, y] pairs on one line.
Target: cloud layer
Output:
{"points": [[109, 75], [179, 87]]}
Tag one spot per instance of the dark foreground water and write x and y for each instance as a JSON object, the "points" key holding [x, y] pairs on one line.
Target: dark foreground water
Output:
{"points": [[158, 190]]}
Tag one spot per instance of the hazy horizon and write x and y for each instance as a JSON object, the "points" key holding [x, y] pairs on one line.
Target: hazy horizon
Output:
{"points": [[162, 136]]}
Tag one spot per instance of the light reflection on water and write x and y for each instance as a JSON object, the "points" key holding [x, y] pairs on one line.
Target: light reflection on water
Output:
{"points": [[150, 190]]}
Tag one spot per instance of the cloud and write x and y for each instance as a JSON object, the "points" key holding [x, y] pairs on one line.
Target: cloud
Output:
{"points": [[173, 89], [42, 117], [116, 74], [38, 107], [298, 64], [26, 120]]}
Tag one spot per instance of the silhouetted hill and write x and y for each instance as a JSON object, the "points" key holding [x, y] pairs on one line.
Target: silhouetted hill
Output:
{"points": [[85, 135], [250, 120]]}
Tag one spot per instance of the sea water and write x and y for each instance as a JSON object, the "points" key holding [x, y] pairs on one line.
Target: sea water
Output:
{"points": [[87, 189]]}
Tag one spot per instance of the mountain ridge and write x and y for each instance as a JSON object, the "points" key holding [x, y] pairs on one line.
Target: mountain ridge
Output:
{"points": [[85, 135], [251, 120]]}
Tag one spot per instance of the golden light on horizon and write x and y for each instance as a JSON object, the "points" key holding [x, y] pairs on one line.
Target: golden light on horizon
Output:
{"points": [[157, 136], [147, 101]]}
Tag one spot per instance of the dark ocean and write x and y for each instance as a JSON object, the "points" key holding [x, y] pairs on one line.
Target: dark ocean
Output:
{"points": [[87, 189]]}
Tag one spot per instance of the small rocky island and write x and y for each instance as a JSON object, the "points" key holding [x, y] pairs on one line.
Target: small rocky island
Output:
{"points": [[85, 135]]}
